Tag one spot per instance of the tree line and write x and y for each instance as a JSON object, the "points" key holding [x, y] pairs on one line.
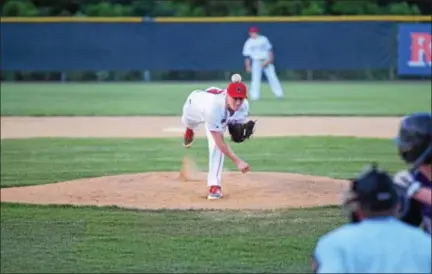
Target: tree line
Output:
{"points": [[200, 8]]}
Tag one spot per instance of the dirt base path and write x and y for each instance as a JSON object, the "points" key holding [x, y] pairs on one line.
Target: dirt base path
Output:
{"points": [[142, 127], [187, 188]]}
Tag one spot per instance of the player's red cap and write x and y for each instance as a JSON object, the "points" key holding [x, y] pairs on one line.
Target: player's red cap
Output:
{"points": [[253, 29], [237, 90]]}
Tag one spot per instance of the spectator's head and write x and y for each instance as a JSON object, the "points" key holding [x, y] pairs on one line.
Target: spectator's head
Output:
{"points": [[372, 194], [253, 31]]}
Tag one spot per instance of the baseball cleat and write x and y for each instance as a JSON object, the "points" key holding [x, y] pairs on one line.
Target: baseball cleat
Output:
{"points": [[215, 193], [188, 137]]}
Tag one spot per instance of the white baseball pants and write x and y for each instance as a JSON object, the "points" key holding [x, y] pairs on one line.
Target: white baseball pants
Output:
{"points": [[216, 157], [216, 162], [256, 75]]}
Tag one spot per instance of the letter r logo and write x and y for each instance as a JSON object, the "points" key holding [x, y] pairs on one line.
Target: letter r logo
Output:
{"points": [[420, 49]]}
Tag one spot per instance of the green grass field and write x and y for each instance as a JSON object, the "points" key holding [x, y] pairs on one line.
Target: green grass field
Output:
{"points": [[37, 239], [387, 99], [39, 161], [60, 239], [64, 239]]}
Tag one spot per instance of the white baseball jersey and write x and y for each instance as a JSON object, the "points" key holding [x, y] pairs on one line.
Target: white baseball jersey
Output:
{"points": [[379, 245], [257, 48], [209, 107]]}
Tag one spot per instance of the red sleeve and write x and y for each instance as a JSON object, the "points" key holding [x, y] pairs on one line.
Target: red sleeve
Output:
{"points": [[215, 91]]}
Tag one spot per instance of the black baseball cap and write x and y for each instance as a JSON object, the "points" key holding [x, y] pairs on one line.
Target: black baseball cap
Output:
{"points": [[375, 190]]}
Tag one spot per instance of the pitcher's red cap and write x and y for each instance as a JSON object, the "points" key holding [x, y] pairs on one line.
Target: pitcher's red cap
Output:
{"points": [[237, 90], [253, 29]]}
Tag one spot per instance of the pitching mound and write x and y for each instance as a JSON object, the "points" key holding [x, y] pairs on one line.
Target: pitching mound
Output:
{"points": [[172, 191]]}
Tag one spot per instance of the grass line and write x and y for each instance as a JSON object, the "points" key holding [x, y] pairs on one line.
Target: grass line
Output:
{"points": [[302, 98]]}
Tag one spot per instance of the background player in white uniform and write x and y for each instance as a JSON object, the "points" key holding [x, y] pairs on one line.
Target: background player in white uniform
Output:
{"points": [[258, 52], [215, 108], [377, 241]]}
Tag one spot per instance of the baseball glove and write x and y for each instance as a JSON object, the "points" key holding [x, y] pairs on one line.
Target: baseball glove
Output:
{"points": [[240, 132]]}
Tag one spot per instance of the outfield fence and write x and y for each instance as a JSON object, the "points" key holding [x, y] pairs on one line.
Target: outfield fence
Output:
{"points": [[172, 48]]}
